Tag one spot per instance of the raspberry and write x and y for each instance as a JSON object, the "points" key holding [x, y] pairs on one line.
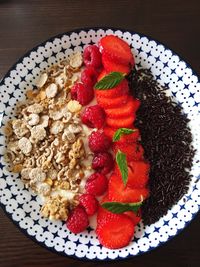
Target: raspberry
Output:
{"points": [[77, 220], [92, 56], [103, 162], [89, 203], [89, 76], [99, 142], [82, 94], [96, 184], [94, 117]]}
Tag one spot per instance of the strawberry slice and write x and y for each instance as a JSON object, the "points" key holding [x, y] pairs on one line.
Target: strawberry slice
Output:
{"points": [[118, 192], [119, 90], [137, 173], [112, 103], [136, 218], [109, 131], [115, 232], [128, 109], [133, 151], [116, 49], [102, 74], [111, 65], [126, 138], [126, 122]]}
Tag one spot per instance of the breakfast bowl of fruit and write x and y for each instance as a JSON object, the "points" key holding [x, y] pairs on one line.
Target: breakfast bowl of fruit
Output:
{"points": [[99, 144]]}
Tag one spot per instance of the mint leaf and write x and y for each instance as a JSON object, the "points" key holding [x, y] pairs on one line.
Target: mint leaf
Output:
{"points": [[122, 164], [118, 207], [109, 81], [122, 131]]}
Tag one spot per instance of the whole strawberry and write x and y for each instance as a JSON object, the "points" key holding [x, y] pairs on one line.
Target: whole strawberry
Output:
{"points": [[99, 142]]}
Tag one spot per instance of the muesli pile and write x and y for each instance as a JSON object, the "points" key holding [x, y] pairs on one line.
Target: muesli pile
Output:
{"points": [[46, 140]]}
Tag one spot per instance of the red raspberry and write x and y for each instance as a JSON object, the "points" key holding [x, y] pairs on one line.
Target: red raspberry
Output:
{"points": [[96, 184], [89, 77], [103, 162], [82, 94], [77, 220], [94, 116], [99, 142], [92, 56], [89, 203]]}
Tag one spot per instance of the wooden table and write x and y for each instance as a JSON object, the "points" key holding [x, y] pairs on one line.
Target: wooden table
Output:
{"points": [[24, 24]]}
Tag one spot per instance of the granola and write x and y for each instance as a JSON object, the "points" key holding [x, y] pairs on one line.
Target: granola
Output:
{"points": [[46, 141]]}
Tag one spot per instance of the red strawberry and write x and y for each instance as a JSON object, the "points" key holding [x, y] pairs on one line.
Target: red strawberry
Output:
{"points": [[119, 90], [119, 112], [115, 232], [112, 102], [77, 220], [109, 131], [111, 65], [96, 184], [126, 122], [136, 218], [118, 192], [133, 151], [102, 74], [116, 49], [89, 203], [137, 173], [130, 138]]}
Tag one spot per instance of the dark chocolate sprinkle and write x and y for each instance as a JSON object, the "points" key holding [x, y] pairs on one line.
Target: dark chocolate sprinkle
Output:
{"points": [[166, 138]]}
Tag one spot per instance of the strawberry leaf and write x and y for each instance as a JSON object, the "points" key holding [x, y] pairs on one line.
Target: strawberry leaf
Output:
{"points": [[109, 81], [122, 131], [122, 164], [118, 207]]}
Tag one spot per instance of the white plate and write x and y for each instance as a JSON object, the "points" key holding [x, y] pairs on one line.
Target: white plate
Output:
{"points": [[23, 207]]}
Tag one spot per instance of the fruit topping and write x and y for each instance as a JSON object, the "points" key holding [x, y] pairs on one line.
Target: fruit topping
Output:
{"points": [[89, 76], [103, 162], [119, 90], [118, 192], [119, 112], [99, 142], [89, 203], [110, 65], [94, 116], [117, 50], [133, 151], [77, 220], [126, 122], [96, 184], [112, 103], [82, 94], [92, 56], [116, 231]]}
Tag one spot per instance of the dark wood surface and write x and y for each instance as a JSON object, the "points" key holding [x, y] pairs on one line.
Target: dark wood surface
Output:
{"points": [[26, 23]]}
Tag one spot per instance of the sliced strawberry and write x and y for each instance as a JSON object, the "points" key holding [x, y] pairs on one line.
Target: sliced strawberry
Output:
{"points": [[126, 122], [133, 151], [137, 173], [136, 218], [102, 74], [118, 192], [111, 65], [119, 90], [116, 49], [115, 232], [109, 131], [112, 102], [119, 112]]}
